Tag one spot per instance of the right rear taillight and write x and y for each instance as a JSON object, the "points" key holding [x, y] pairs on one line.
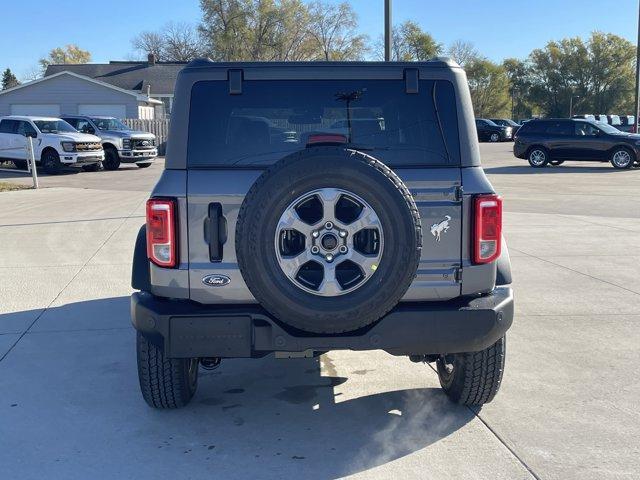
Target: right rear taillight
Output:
{"points": [[487, 231], [161, 232]]}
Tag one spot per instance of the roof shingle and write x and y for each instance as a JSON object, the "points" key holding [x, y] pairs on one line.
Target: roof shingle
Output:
{"points": [[134, 76]]}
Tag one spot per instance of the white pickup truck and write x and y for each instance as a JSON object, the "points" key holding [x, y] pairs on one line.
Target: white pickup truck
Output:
{"points": [[56, 144]]}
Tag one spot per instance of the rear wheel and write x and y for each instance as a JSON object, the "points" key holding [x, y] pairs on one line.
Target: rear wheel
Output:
{"points": [[538, 157], [166, 383], [20, 164], [622, 158], [51, 162], [472, 378], [111, 159]]}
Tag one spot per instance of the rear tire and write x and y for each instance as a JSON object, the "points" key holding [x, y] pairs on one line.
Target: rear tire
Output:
{"points": [[111, 159], [166, 383], [20, 164], [473, 379], [538, 157], [51, 162], [622, 158]]}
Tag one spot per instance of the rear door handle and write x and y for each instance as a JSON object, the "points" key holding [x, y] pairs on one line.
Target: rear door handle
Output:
{"points": [[215, 231]]}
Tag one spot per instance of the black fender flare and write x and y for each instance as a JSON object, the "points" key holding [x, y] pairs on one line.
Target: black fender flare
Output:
{"points": [[140, 273], [503, 266]]}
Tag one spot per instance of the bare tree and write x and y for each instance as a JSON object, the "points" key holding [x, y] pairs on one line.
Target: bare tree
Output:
{"points": [[150, 43], [181, 42], [463, 52], [333, 29]]}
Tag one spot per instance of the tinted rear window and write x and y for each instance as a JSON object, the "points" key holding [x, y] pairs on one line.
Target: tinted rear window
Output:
{"points": [[272, 119], [533, 126]]}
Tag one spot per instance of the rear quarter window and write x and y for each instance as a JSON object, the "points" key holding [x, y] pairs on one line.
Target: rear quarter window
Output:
{"points": [[272, 119]]}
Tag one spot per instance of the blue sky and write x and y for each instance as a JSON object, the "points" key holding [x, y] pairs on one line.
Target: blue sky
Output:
{"points": [[499, 29]]}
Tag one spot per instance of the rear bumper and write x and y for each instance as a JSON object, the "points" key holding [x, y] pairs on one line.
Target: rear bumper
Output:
{"points": [[188, 329]]}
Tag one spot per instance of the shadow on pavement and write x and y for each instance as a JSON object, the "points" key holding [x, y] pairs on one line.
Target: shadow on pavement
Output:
{"points": [[72, 392], [526, 169]]}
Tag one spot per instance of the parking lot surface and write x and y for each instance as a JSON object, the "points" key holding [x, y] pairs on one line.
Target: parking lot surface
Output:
{"points": [[70, 406]]}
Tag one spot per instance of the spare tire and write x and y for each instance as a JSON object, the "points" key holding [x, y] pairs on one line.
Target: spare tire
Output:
{"points": [[328, 240]]}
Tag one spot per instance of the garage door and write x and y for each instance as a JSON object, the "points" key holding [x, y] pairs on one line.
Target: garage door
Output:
{"points": [[118, 111], [37, 110]]}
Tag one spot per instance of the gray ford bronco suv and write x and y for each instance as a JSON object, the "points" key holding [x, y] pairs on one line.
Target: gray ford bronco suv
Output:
{"points": [[309, 207]]}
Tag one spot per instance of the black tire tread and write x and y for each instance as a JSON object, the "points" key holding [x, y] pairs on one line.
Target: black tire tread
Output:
{"points": [[479, 375], [365, 316], [163, 381]]}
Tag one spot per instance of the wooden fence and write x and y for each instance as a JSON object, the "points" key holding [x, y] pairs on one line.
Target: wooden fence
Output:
{"points": [[160, 128]]}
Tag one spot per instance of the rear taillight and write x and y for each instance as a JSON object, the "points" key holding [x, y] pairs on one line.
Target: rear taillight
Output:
{"points": [[487, 231], [161, 232]]}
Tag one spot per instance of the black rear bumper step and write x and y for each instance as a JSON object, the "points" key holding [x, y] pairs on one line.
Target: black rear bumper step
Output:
{"points": [[188, 329]]}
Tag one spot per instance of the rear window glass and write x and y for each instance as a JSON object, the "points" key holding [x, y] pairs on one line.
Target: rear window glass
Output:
{"points": [[272, 119], [533, 126]]}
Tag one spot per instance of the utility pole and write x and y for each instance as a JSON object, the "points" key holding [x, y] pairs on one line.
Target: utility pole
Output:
{"points": [[388, 31], [577, 97], [637, 108]]}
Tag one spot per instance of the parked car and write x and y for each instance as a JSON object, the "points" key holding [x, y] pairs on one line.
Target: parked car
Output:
{"points": [[254, 247], [627, 124], [121, 144], [553, 141], [586, 117], [56, 144], [507, 122], [490, 132]]}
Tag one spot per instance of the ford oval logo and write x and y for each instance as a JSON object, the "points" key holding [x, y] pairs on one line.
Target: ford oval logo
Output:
{"points": [[216, 280]]}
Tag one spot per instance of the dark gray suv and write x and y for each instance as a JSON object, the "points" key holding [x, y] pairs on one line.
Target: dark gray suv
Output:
{"points": [[308, 207]]}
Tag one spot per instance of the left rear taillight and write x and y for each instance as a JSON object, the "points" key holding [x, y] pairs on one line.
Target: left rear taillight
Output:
{"points": [[161, 232], [487, 231]]}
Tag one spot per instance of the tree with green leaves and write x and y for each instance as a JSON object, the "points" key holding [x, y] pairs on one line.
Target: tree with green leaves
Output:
{"points": [[9, 80], [489, 87], [282, 30], [412, 44], [599, 70], [71, 54], [519, 75]]}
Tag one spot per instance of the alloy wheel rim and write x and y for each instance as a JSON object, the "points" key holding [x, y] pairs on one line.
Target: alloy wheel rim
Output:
{"points": [[329, 242], [621, 158], [537, 157]]}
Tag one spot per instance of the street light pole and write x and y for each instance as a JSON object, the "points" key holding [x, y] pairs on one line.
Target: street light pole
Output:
{"points": [[388, 31], [571, 104], [637, 106]]}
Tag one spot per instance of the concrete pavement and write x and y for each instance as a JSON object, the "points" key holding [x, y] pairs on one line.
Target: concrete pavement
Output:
{"points": [[69, 399]]}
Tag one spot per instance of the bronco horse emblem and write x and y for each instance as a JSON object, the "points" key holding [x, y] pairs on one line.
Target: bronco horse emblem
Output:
{"points": [[437, 229]]}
